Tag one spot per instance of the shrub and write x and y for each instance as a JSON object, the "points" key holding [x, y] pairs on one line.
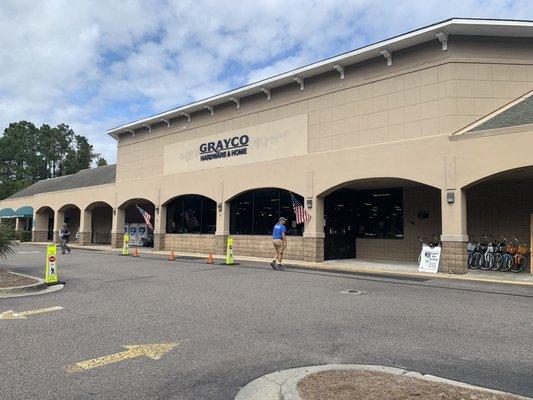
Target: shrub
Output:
{"points": [[6, 241], [25, 236]]}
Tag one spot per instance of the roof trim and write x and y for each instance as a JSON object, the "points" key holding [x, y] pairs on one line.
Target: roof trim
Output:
{"points": [[453, 26], [493, 114]]}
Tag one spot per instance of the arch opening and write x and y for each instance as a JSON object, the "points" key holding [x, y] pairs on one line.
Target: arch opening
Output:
{"points": [[255, 212], [140, 231], [101, 222], [501, 206], [380, 219], [43, 225]]}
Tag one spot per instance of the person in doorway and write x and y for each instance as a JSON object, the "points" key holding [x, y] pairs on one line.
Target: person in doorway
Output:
{"points": [[64, 235], [280, 242]]}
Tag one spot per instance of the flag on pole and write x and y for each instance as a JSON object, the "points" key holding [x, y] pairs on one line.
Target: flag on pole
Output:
{"points": [[299, 211], [146, 217]]}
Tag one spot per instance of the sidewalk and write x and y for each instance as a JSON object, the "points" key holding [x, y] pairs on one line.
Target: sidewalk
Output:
{"points": [[395, 268]]}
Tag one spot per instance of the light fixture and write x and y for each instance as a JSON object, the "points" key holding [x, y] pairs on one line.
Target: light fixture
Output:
{"points": [[157, 210], [219, 206], [450, 197], [309, 202]]}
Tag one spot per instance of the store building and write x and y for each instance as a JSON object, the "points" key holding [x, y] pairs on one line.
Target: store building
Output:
{"points": [[426, 134]]}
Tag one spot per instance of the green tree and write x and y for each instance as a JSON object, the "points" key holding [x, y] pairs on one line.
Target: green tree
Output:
{"points": [[29, 154], [100, 161]]}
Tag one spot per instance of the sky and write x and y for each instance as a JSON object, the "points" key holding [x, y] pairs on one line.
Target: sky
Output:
{"points": [[96, 64]]}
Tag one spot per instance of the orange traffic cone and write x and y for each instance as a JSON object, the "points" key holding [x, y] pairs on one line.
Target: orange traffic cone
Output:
{"points": [[135, 252], [210, 258], [172, 256]]}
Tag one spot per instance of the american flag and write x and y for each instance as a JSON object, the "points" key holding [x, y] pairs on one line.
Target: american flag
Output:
{"points": [[191, 220], [146, 217], [299, 211]]}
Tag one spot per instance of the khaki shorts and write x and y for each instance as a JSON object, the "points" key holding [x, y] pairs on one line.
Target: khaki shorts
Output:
{"points": [[279, 245]]}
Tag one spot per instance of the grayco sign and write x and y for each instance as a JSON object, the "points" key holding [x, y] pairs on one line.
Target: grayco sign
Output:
{"points": [[225, 148]]}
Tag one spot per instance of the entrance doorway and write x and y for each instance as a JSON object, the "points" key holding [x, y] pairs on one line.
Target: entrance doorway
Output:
{"points": [[340, 220], [380, 219]]}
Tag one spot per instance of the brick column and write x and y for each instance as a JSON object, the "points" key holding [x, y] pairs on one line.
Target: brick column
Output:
{"points": [[160, 226], [117, 229], [454, 237], [85, 227], [222, 230], [59, 218], [314, 231]]}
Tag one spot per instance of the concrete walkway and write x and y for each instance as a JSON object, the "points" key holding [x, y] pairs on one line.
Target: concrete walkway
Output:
{"points": [[350, 266]]}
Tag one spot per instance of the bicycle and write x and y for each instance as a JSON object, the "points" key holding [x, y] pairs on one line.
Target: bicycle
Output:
{"points": [[499, 253], [470, 249], [507, 256], [478, 257], [488, 256], [519, 260]]}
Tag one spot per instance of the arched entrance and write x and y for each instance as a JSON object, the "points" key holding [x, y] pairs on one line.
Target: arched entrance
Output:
{"points": [[69, 214], [501, 206], [380, 219], [43, 229], [98, 224], [138, 216]]}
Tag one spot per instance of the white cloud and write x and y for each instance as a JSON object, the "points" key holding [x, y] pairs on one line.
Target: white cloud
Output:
{"points": [[96, 64]]}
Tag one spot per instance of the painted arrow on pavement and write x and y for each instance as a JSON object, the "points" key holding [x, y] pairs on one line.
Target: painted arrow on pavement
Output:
{"points": [[10, 314], [154, 351]]}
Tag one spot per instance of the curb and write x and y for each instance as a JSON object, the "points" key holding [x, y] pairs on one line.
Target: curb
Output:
{"points": [[283, 385], [34, 287]]}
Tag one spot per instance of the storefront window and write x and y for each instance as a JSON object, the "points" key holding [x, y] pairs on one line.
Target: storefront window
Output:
{"points": [[191, 214], [380, 214], [256, 212]]}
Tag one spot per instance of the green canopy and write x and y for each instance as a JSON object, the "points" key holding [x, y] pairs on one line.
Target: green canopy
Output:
{"points": [[6, 213], [24, 212]]}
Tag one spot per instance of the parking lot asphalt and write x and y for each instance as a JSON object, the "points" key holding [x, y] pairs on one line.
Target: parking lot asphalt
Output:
{"points": [[233, 324]]}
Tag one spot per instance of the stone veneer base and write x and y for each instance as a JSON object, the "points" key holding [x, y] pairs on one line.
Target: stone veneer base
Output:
{"points": [[454, 259]]}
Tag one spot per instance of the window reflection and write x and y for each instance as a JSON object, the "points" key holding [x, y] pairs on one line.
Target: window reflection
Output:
{"points": [[191, 214], [256, 212]]}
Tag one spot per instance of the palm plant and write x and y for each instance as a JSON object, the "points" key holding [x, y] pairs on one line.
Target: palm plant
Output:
{"points": [[6, 242]]}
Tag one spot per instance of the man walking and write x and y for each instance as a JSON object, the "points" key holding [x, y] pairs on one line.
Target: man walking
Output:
{"points": [[63, 239], [280, 242]]}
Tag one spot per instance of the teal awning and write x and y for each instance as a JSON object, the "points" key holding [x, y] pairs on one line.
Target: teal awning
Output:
{"points": [[6, 213], [24, 212]]}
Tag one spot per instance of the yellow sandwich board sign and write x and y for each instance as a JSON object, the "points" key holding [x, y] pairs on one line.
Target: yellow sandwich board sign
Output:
{"points": [[229, 251], [126, 245], [51, 274]]}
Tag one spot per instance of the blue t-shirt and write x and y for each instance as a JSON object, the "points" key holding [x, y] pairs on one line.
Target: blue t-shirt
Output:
{"points": [[279, 230]]}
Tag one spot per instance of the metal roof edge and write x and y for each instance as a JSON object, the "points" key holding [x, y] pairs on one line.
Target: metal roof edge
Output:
{"points": [[307, 70]]}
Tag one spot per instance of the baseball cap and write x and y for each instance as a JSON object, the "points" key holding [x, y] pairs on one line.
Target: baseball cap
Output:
{"points": [[282, 219]]}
